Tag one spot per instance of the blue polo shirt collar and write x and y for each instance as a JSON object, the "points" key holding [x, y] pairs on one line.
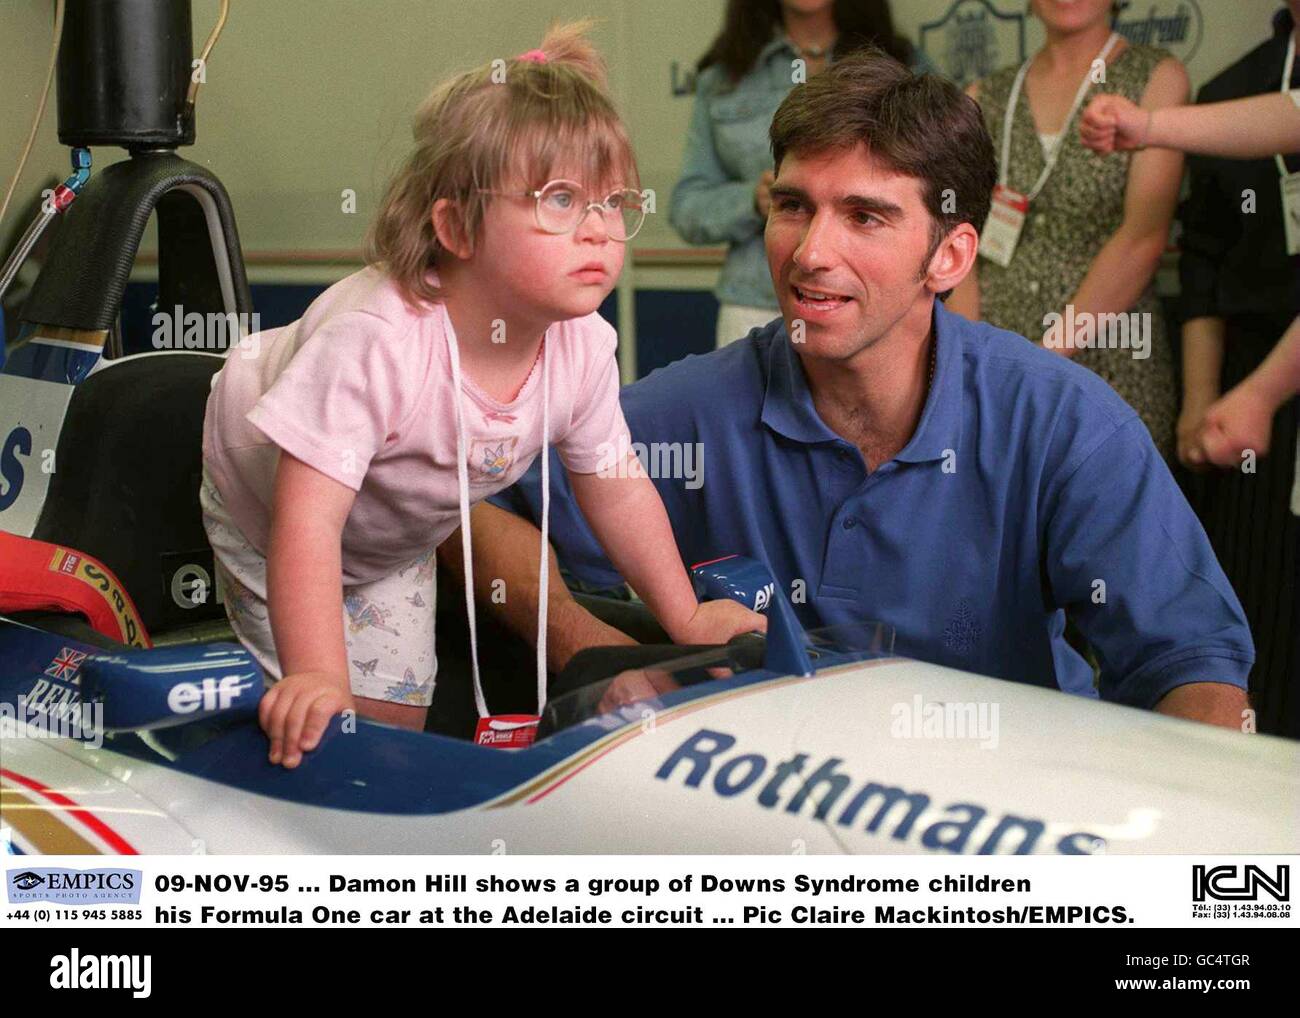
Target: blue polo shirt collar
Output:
{"points": [[788, 406]]}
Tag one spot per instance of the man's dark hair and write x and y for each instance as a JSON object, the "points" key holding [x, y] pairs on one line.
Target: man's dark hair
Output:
{"points": [[920, 125]]}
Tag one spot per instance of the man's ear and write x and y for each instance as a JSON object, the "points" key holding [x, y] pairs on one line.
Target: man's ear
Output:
{"points": [[953, 259], [449, 227]]}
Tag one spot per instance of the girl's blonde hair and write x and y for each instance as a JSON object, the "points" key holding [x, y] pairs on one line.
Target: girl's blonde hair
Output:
{"points": [[474, 132]]}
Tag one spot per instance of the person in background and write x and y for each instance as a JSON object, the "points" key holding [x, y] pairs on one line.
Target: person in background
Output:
{"points": [[1240, 292], [1096, 227], [722, 196]]}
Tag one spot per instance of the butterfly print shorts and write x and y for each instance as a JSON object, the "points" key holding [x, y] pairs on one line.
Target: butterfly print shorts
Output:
{"points": [[387, 624]]}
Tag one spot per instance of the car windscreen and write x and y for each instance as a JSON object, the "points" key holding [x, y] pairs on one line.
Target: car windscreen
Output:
{"points": [[628, 689]]}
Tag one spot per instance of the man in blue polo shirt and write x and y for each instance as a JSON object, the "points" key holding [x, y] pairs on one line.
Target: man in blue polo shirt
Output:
{"points": [[892, 461]]}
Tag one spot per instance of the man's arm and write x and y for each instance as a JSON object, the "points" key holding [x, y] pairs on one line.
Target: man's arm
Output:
{"points": [[506, 548], [1214, 703], [1127, 558]]}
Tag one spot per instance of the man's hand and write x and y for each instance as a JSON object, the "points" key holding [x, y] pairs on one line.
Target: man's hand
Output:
{"points": [[1112, 123], [718, 621], [636, 685], [296, 711], [1213, 703]]}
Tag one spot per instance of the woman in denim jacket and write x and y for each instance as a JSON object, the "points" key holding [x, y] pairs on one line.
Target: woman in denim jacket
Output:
{"points": [[765, 48]]}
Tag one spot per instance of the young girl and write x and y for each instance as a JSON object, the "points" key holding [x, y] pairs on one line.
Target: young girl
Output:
{"points": [[339, 451]]}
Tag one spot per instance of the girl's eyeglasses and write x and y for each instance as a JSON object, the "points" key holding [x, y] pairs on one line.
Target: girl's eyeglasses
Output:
{"points": [[562, 205]]}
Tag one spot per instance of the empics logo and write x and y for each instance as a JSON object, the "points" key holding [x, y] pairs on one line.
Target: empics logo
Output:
{"points": [[77, 971], [1229, 883], [73, 887]]}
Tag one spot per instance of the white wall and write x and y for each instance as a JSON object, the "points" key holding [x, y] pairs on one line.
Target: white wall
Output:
{"points": [[308, 97]]}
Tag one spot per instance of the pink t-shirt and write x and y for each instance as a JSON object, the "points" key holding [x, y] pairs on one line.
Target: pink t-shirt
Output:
{"points": [[360, 388]]}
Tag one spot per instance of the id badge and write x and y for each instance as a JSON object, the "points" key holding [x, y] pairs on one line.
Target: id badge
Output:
{"points": [[1005, 222], [1291, 212], [507, 731]]}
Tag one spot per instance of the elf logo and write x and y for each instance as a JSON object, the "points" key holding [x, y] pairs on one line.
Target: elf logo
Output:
{"points": [[208, 695], [18, 441], [77, 971], [764, 597]]}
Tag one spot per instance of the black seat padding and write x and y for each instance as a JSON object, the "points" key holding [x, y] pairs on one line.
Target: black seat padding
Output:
{"points": [[125, 488]]}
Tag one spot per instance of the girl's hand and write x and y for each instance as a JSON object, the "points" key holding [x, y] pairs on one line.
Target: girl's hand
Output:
{"points": [[296, 711], [1112, 123], [1242, 420], [718, 621]]}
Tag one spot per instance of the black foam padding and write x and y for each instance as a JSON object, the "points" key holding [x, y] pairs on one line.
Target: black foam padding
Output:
{"points": [[125, 488], [73, 626], [85, 274]]}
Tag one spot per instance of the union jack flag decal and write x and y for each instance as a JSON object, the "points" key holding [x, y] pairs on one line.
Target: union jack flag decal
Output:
{"points": [[65, 665]]}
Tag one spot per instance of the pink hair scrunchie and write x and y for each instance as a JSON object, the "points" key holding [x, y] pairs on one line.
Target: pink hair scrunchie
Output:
{"points": [[537, 56]]}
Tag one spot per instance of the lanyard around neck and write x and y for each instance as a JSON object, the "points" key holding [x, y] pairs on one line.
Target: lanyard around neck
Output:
{"points": [[467, 549], [1287, 65], [1055, 153]]}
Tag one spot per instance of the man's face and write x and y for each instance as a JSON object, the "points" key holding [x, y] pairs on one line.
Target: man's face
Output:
{"points": [[847, 240]]}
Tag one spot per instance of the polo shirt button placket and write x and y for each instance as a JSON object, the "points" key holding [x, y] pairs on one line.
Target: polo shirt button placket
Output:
{"points": [[849, 523]]}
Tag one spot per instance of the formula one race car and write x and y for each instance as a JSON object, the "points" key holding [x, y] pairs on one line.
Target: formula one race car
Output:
{"points": [[110, 611], [853, 751], [823, 742]]}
